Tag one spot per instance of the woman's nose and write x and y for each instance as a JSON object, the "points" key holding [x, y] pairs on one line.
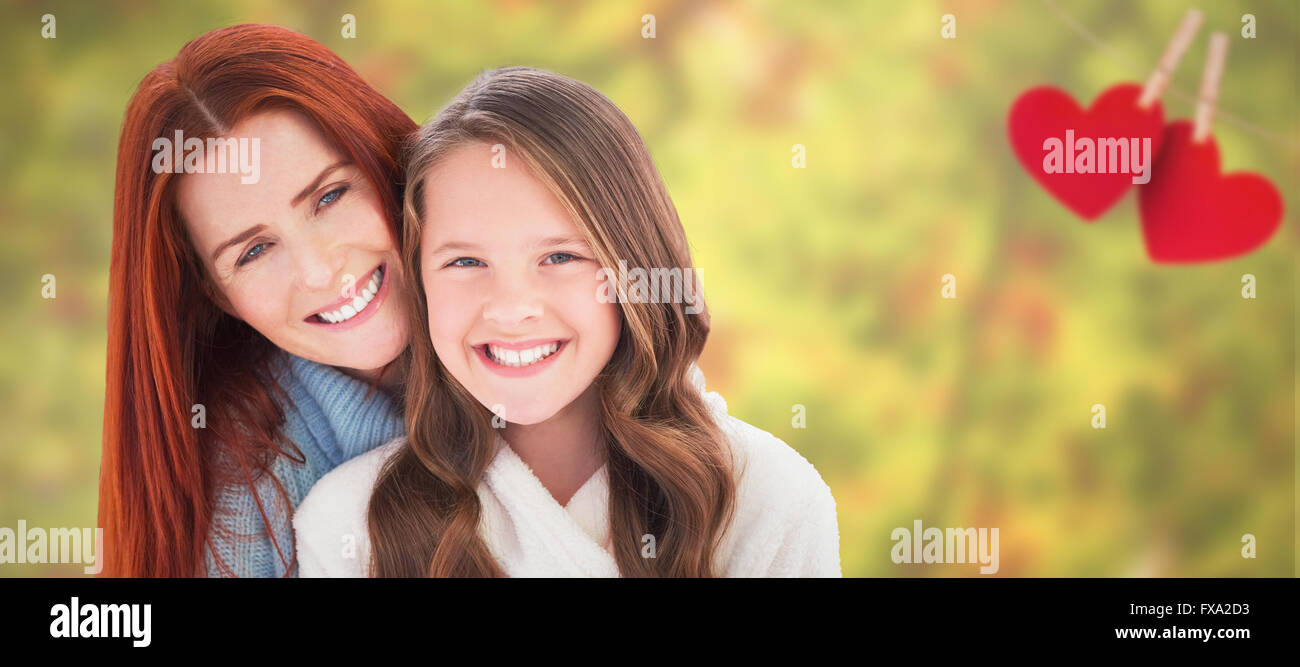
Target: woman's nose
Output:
{"points": [[318, 263]]}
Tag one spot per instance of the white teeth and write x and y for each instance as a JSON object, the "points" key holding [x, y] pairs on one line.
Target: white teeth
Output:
{"points": [[359, 302], [518, 358]]}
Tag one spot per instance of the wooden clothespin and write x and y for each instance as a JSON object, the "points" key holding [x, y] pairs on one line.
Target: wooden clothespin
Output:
{"points": [[1210, 78], [1159, 79]]}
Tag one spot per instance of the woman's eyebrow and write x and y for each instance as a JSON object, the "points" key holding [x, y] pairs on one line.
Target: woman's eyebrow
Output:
{"points": [[236, 240], [317, 181]]}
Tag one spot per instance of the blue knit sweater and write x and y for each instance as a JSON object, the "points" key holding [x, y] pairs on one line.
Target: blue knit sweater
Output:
{"points": [[331, 419]]}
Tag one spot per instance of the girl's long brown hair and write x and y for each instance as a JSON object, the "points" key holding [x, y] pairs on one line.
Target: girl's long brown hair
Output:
{"points": [[669, 466], [169, 345]]}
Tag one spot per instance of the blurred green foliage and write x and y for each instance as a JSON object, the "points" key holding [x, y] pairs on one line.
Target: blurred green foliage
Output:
{"points": [[824, 282]]}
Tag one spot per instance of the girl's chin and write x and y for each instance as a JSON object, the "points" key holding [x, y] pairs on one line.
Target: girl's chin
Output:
{"points": [[522, 416]]}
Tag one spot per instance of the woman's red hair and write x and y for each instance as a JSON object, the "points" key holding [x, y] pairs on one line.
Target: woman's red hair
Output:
{"points": [[170, 346]]}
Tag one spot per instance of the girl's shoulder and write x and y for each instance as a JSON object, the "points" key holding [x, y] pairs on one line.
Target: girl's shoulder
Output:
{"points": [[771, 475], [774, 482], [330, 525], [785, 522], [348, 486]]}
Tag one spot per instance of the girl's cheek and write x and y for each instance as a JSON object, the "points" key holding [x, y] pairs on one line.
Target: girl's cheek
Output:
{"points": [[441, 333], [450, 318], [574, 286], [446, 297], [589, 292]]}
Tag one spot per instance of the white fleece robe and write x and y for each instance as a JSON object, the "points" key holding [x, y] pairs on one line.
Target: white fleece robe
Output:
{"points": [[785, 523]]}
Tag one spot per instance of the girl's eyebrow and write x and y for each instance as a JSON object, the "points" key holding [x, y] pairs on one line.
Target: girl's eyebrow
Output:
{"points": [[455, 245], [560, 240], [462, 246]]}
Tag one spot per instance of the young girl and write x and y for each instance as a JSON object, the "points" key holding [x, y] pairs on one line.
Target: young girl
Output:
{"points": [[556, 423]]}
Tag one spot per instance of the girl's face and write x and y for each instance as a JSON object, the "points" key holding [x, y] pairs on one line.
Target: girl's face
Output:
{"points": [[304, 255], [512, 288]]}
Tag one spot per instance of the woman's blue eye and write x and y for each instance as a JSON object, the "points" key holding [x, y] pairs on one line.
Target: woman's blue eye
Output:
{"points": [[252, 253], [457, 262], [567, 257], [331, 197]]}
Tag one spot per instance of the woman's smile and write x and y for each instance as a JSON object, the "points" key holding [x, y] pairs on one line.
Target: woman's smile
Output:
{"points": [[348, 312]]}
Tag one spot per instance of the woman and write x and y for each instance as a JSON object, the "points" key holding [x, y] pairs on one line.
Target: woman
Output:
{"points": [[556, 422], [255, 317]]}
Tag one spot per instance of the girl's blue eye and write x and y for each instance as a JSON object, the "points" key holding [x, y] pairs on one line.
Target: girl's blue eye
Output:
{"points": [[252, 253], [457, 262], [568, 257]]}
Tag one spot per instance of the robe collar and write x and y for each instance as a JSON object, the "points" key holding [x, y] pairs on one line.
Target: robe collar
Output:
{"points": [[531, 535]]}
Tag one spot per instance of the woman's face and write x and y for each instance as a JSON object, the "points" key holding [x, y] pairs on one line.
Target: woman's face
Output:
{"points": [[512, 288], [304, 255]]}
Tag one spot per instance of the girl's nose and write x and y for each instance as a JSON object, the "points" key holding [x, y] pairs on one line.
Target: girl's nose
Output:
{"points": [[513, 303]]}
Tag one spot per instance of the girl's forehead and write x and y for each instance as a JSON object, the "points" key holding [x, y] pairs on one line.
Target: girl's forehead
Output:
{"points": [[470, 196]]}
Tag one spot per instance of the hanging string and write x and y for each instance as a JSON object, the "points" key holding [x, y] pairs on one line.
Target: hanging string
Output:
{"points": [[1191, 100]]}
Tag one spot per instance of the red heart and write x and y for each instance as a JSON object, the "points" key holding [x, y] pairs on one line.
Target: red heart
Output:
{"points": [[1191, 213], [1046, 112]]}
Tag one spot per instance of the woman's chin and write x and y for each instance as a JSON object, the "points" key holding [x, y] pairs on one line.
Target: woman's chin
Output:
{"points": [[375, 354], [369, 363]]}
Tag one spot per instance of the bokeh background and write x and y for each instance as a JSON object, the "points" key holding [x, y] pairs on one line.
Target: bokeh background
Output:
{"points": [[824, 282]]}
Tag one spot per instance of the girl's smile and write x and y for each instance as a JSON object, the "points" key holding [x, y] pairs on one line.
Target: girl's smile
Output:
{"points": [[520, 359]]}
